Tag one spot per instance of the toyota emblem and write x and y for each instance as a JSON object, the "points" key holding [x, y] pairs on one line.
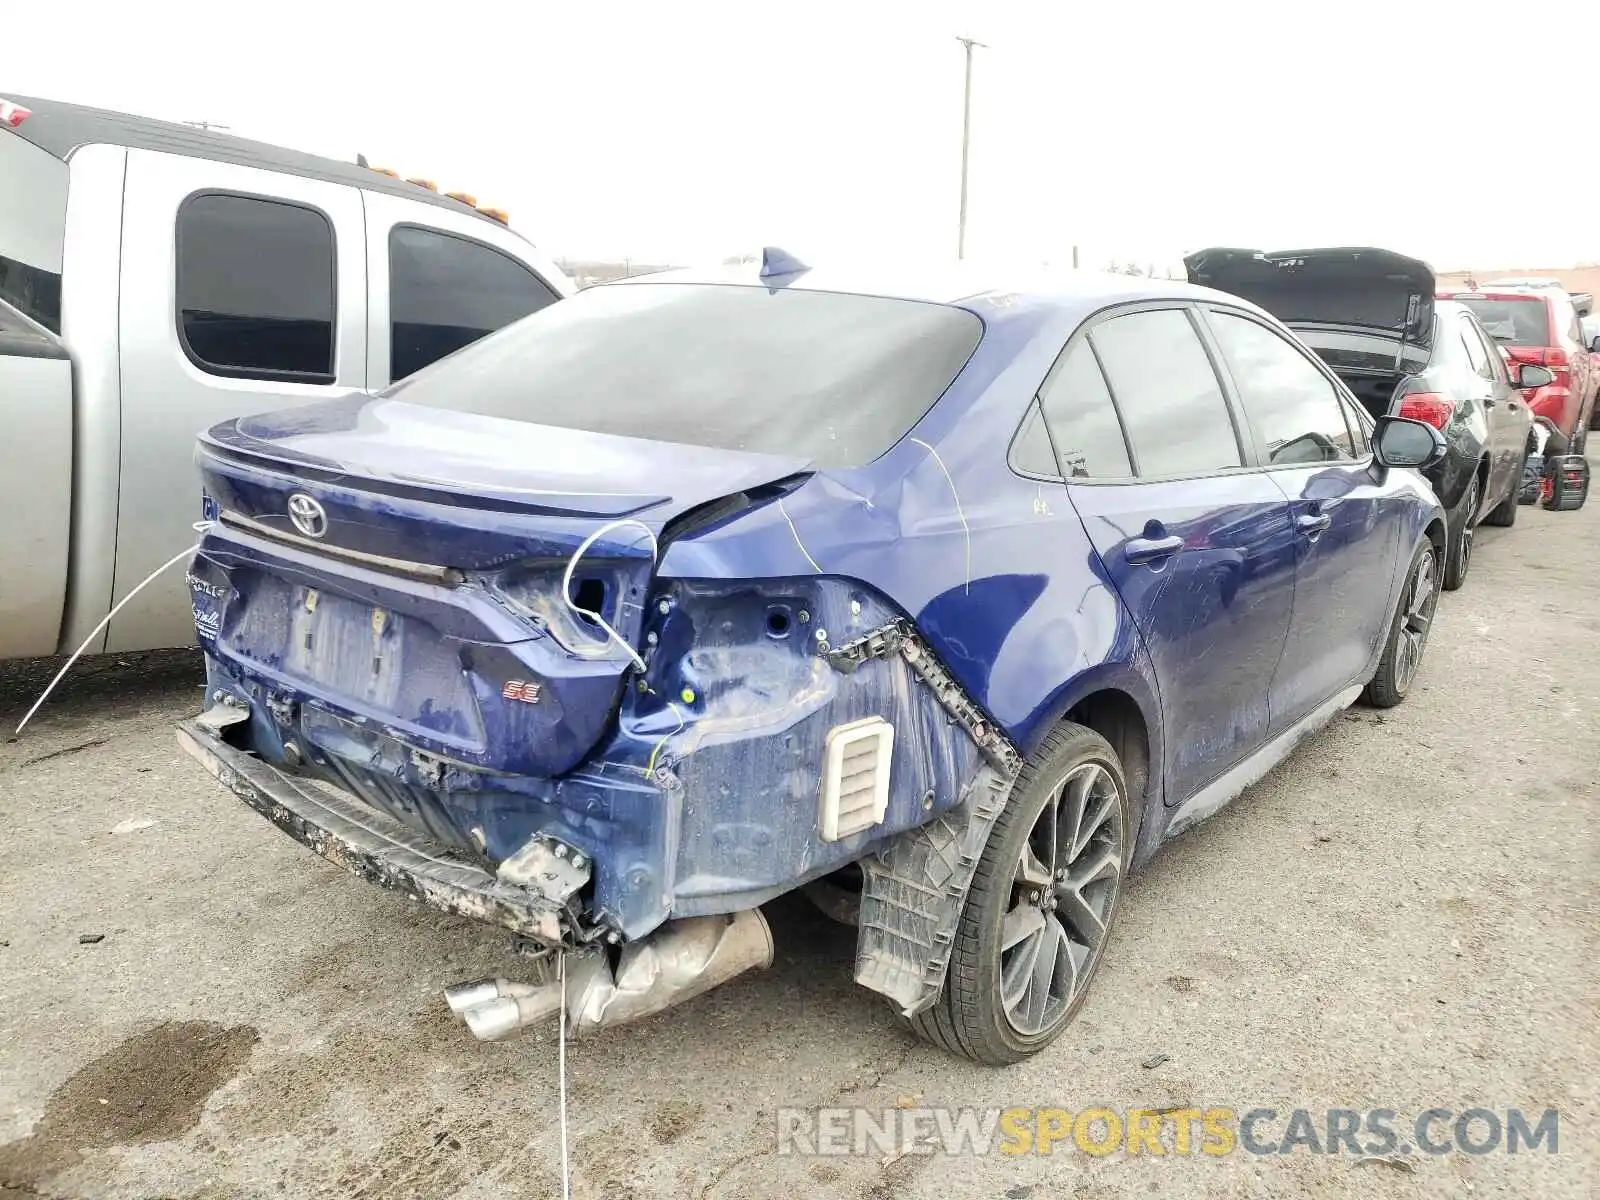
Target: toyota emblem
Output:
{"points": [[308, 516]]}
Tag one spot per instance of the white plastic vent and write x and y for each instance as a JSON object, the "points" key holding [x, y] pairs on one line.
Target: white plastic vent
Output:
{"points": [[855, 777]]}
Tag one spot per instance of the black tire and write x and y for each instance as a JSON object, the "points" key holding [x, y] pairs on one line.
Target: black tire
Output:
{"points": [[1394, 677], [1504, 514], [971, 1017], [1459, 560]]}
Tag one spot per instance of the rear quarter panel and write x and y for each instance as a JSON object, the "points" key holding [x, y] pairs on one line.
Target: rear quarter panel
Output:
{"points": [[995, 569]]}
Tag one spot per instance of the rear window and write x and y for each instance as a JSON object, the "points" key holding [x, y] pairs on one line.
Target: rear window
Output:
{"points": [[827, 376], [33, 220], [1516, 321]]}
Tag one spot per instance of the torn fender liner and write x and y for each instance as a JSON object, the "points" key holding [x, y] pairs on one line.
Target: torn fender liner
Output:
{"points": [[371, 845], [900, 637], [913, 892], [914, 888]]}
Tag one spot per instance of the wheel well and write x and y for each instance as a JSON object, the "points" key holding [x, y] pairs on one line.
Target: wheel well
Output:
{"points": [[1483, 474], [1115, 716], [1436, 535]]}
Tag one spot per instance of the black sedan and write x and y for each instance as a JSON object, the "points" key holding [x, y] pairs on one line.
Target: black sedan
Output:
{"points": [[1371, 315]]}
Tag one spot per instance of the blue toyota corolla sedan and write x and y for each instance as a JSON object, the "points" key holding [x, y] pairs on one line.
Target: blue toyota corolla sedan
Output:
{"points": [[941, 599]]}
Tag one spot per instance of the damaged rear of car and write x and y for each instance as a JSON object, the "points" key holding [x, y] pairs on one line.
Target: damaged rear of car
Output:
{"points": [[535, 635], [689, 591]]}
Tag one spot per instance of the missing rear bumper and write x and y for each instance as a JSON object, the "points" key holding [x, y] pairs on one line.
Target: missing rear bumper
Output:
{"points": [[374, 847]]}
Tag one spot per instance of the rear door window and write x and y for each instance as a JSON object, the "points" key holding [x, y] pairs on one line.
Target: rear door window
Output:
{"points": [[1484, 353], [256, 287], [446, 292], [1477, 352], [1031, 451], [1177, 420], [1293, 407], [33, 220], [1083, 420]]}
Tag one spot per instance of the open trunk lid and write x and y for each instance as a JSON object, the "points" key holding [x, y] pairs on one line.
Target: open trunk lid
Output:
{"points": [[402, 565], [1360, 308]]}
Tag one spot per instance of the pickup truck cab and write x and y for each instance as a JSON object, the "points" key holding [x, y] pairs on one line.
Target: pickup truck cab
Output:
{"points": [[156, 279]]}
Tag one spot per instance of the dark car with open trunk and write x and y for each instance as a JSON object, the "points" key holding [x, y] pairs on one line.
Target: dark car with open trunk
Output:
{"points": [[1371, 315]]}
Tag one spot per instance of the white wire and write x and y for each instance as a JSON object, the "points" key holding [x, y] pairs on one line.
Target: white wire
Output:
{"points": [[966, 530], [199, 527], [561, 1058], [566, 581]]}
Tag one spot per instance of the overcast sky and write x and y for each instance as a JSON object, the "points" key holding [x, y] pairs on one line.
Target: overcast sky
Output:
{"points": [[1463, 132]]}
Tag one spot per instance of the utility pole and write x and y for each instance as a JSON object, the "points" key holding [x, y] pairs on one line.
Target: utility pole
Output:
{"points": [[966, 137]]}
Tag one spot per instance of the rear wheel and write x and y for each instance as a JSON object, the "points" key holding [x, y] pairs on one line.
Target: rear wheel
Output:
{"points": [[1041, 905], [1408, 635], [1460, 547]]}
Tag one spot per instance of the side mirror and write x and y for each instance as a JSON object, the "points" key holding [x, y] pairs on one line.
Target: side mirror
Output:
{"points": [[1530, 375], [1402, 442]]}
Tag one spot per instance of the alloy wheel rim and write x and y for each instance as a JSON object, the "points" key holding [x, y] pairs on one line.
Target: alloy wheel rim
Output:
{"points": [[1421, 597], [1468, 529], [1062, 894]]}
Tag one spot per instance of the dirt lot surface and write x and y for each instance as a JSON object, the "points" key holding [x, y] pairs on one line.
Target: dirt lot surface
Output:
{"points": [[1403, 916]]}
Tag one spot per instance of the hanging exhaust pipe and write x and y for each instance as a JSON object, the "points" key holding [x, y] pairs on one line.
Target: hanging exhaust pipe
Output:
{"points": [[682, 960]]}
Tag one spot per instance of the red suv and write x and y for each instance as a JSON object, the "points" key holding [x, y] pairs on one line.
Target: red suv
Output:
{"points": [[1540, 325]]}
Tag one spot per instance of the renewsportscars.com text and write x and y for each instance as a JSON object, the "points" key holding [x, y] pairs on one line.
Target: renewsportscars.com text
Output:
{"points": [[1213, 1132]]}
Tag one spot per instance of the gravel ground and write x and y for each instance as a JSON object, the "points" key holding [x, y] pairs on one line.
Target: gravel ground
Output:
{"points": [[1403, 916]]}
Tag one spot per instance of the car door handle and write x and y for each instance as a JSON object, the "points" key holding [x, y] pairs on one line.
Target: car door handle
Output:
{"points": [[1144, 550], [1313, 526]]}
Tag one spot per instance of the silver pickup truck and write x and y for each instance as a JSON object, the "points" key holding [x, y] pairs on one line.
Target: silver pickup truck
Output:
{"points": [[156, 279]]}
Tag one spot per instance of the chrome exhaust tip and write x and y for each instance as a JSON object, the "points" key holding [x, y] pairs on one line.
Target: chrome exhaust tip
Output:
{"points": [[683, 959], [463, 996]]}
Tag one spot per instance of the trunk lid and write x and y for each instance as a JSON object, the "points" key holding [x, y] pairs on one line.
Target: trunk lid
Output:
{"points": [[1360, 308], [421, 588]]}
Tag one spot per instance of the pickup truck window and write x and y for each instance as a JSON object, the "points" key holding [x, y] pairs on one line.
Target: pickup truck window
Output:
{"points": [[33, 219], [256, 288], [446, 292]]}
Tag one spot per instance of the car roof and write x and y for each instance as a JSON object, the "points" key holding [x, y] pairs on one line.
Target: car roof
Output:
{"points": [[1529, 281], [59, 128], [1485, 292], [952, 283]]}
